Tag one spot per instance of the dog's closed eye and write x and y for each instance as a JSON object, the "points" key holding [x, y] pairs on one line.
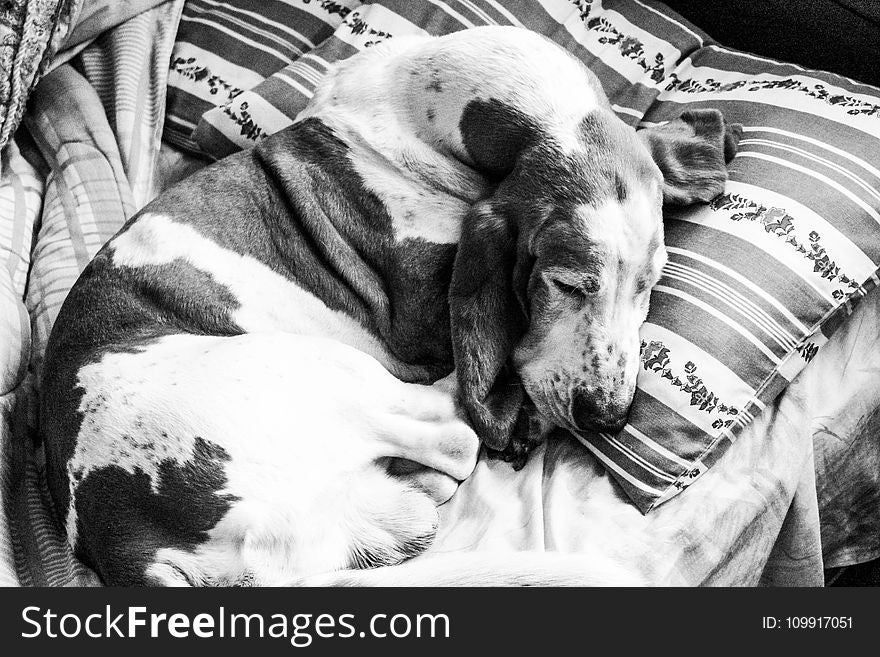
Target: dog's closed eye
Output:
{"points": [[577, 288]]}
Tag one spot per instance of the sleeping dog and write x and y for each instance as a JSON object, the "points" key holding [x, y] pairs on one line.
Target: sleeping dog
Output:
{"points": [[282, 365]]}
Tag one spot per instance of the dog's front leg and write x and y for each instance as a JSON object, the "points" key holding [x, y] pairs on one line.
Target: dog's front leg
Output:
{"points": [[438, 485]]}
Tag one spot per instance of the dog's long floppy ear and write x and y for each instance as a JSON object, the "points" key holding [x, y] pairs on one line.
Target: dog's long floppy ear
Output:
{"points": [[487, 319], [691, 152]]}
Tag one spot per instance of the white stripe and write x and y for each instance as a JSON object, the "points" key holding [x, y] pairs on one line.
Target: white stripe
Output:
{"points": [[828, 147], [818, 176], [382, 19], [224, 69], [657, 447], [791, 99], [733, 299], [836, 244], [320, 61], [620, 109], [305, 71], [269, 118], [742, 280], [608, 463], [504, 12], [308, 93], [479, 12], [239, 37], [258, 17], [784, 342], [716, 376], [767, 60], [683, 27], [694, 301], [562, 12], [333, 20], [451, 12], [815, 158], [649, 39], [635, 458]]}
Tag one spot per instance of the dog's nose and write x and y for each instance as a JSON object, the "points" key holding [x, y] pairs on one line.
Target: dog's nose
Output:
{"points": [[592, 416]]}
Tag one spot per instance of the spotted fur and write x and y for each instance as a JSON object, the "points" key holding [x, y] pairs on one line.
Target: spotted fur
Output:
{"points": [[250, 383]]}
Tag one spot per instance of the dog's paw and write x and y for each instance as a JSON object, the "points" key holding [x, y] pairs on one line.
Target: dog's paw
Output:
{"points": [[516, 453], [396, 522], [424, 425], [529, 432]]}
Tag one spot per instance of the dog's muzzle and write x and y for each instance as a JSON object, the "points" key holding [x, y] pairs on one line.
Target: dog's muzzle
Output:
{"points": [[590, 412]]}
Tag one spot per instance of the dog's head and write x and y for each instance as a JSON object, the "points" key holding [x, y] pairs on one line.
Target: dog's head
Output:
{"points": [[554, 270]]}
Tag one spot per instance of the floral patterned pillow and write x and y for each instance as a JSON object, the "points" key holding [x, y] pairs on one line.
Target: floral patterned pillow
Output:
{"points": [[225, 48], [758, 279]]}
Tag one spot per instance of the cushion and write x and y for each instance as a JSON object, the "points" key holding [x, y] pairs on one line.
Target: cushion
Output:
{"points": [[757, 280], [224, 48]]}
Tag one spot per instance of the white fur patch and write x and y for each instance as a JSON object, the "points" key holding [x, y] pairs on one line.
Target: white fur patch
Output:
{"points": [[630, 234], [419, 204], [302, 462], [267, 300], [426, 191]]}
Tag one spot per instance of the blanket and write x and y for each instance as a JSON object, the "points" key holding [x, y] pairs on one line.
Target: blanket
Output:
{"points": [[84, 165], [31, 31], [798, 492]]}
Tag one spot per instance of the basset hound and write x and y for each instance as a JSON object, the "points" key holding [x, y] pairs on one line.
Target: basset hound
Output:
{"points": [[282, 365]]}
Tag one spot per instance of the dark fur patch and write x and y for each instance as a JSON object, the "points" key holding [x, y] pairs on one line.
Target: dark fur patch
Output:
{"points": [[436, 83], [620, 188], [486, 324], [124, 521], [495, 133], [113, 309], [395, 289]]}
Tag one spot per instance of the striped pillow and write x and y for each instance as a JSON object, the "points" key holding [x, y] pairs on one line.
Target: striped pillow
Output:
{"points": [[616, 39], [758, 279], [223, 48]]}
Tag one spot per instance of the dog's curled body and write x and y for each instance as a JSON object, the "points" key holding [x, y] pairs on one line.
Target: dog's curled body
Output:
{"points": [[193, 386], [231, 376]]}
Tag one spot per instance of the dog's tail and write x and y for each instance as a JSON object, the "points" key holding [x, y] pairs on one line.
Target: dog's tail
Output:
{"points": [[490, 569]]}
